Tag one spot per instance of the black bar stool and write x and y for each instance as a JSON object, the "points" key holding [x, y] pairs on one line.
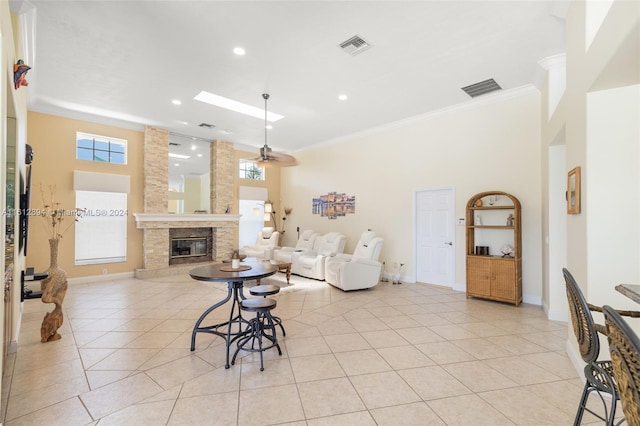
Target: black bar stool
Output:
{"points": [[261, 327], [264, 291]]}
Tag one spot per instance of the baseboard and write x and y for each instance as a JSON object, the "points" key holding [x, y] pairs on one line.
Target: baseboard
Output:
{"points": [[99, 278], [576, 360], [555, 315], [13, 347], [460, 287], [532, 300]]}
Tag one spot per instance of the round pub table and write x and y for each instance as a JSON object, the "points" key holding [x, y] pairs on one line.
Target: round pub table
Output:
{"points": [[220, 272]]}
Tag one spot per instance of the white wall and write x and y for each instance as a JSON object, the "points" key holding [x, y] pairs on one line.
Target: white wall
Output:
{"points": [[555, 296], [602, 137], [612, 182], [487, 144]]}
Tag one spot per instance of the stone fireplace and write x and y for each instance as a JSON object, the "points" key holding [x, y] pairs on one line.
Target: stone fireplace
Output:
{"points": [[158, 230], [158, 225]]}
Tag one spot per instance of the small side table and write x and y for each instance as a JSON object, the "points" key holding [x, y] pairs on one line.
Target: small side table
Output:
{"points": [[632, 291], [282, 267]]}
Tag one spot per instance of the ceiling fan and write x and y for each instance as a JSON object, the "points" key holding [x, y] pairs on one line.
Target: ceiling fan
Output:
{"points": [[269, 158]]}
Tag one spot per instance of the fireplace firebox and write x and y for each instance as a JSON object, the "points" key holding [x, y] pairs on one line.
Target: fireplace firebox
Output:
{"points": [[190, 245]]}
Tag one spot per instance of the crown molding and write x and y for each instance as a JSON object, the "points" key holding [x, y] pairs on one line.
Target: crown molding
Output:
{"points": [[479, 102]]}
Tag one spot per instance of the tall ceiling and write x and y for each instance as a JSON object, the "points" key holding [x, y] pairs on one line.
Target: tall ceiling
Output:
{"points": [[123, 62]]}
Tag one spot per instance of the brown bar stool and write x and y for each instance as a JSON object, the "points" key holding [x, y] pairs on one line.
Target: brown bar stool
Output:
{"points": [[264, 291], [261, 327]]}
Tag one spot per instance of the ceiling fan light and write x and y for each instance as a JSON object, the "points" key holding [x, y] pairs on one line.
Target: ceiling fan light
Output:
{"points": [[267, 156]]}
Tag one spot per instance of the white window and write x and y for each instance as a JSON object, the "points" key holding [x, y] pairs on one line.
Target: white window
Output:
{"points": [[101, 234], [250, 170], [101, 148]]}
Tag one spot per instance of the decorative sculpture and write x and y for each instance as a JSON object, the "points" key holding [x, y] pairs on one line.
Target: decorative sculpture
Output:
{"points": [[20, 74], [54, 288], [396, 277]]}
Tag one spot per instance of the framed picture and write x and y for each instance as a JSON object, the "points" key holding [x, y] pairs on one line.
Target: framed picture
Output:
{"points": [[573, 191]]}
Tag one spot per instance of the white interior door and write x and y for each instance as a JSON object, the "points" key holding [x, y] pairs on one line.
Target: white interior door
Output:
{"points": [[435, 232]]}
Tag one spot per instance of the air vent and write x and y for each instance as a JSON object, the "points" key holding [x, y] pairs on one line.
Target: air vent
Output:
{"points": [[482, 88], [355, 45], [207, 125]]}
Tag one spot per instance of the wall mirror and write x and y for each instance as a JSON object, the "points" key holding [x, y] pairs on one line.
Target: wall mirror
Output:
{"points": [[189, 174], [573, 191], [10, 164]]}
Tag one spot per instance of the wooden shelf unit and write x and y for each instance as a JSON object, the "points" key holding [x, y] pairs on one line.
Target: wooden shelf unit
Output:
{"points": [[494, 276]]}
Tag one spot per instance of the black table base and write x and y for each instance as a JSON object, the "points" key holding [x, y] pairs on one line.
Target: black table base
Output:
{"points": [[225, 329]]}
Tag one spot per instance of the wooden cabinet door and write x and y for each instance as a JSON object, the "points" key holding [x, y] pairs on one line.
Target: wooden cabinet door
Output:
{"points": [[503, 279], [478, 276]]}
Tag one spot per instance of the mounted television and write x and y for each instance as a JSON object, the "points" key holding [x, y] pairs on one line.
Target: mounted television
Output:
{"points": [[25, 198]]}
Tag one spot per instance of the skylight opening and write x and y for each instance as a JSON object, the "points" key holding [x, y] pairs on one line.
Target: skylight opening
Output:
{"points": [[230, 104]]}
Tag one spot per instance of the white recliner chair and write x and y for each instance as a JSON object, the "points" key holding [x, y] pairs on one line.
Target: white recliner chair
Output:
{"points": [[305, 242], [310, 263], [266, 242], [359, 270]]}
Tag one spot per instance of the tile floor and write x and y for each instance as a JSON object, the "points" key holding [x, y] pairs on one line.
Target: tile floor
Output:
{"points": [[408, 354]]}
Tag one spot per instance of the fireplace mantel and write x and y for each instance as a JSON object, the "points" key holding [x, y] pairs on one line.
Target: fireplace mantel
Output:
{"points": [[165, 220]]}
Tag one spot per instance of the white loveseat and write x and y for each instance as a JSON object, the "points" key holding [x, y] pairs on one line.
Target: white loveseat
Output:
{"points": [[359, 270], [305, 242], [310, 263]]}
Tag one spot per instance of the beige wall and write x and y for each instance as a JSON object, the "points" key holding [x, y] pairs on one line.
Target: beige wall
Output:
{"points": [[53, 141], [490, 144], [191, 194]]}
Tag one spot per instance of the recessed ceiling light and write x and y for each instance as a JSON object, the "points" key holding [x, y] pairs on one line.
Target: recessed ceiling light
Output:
{"points": [[193, 147], [343, 97], [183, 157], [183, 122], [176, 102], [239, 51], [269, 127], [236, 106], [177, 164], [199, 155], [226, 132]]}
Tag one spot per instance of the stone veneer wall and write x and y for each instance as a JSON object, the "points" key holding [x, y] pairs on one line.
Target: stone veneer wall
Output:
{"points": [[222, 195], [156, 184], [156, 170]]}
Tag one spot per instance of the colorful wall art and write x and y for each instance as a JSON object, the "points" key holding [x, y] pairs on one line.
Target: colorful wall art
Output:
{"points": [[334, 205]]}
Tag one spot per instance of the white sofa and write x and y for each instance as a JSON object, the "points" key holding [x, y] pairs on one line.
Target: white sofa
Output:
{"points": [[310, 263], [359, 270], [266, 242], [305, 242]]}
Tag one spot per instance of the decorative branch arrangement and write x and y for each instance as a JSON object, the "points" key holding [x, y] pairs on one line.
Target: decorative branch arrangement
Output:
{"points": [[270, 210], [54, 215], [287, 212]]}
